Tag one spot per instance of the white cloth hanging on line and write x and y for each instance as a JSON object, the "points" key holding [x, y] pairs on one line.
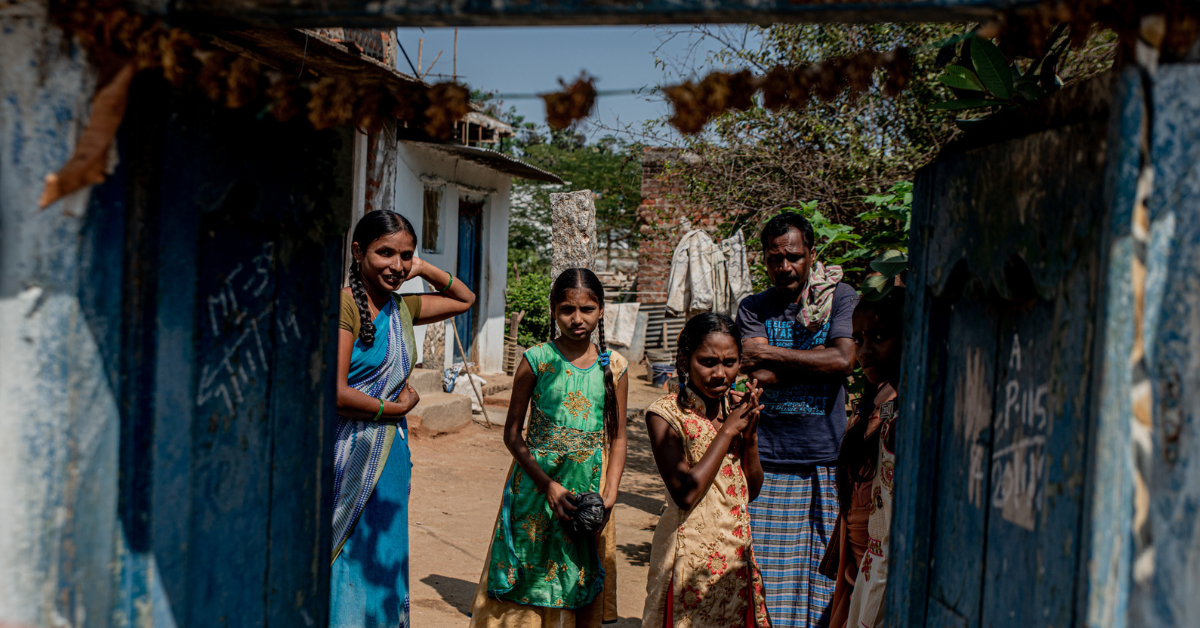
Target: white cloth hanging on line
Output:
{"points": [[620, 319], [708, 276]]}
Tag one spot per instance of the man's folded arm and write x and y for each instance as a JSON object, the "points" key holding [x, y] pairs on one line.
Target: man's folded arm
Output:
{"points": [[772, 365]]}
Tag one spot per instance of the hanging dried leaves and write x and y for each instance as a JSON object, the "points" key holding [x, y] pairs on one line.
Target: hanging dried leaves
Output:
{"points": [[88, 163], [574, 103], [117, 37], [448, 103], [1021, 31], [694, 104]]}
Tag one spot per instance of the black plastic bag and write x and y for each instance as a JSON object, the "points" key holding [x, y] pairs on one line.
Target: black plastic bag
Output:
{"points": [[589, 515]]}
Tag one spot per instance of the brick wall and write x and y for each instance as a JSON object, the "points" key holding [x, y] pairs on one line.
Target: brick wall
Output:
{"points": [[664, 222]]}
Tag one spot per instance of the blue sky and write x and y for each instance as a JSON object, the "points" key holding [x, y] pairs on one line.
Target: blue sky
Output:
{"points": [[527, 60]]}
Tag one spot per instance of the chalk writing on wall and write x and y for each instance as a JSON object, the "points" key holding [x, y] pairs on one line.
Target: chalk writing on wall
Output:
{"points": [[239, 320], [1019, 468], [972, 414]]}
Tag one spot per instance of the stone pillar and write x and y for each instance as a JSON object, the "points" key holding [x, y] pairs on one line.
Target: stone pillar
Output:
{"points": [[434, 354], [573, 220]]}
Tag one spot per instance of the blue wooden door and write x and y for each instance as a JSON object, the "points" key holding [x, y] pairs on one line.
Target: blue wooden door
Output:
{"points": [[231, 285], [1006, 285], [470, 240]]}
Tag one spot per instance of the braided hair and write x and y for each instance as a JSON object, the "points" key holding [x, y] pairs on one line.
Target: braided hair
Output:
{"points": [[695, 331], [370, 228], [584, 279]]}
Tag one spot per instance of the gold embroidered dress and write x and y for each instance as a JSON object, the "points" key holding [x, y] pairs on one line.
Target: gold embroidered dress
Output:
{"points": [[702, 564], [533, 561]]}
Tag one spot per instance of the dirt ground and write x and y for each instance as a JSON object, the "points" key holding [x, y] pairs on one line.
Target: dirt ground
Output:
{"points": [[457, 480]]}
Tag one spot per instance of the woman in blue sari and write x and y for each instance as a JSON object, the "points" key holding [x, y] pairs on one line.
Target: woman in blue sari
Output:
{"points": [[372, 467]]}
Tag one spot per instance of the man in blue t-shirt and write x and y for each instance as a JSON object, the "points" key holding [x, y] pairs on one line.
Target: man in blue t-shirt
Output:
{"points": [[796, 342]]}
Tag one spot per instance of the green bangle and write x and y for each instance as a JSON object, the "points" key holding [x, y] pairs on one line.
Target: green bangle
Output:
{"points": [[380, 413], [448, 285]]}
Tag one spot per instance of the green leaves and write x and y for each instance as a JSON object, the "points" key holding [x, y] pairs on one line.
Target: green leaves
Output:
{"points": [[958, 77], [992, 68], [528, 294], [889, 264], [1030, 91], [883, 228], [960, 105], [999, 83], [876, 286]]}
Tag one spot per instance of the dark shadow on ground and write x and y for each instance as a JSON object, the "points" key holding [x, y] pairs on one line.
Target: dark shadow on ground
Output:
{"points": [[455, 592], [649, 504], [637, 553], [639, 456]]}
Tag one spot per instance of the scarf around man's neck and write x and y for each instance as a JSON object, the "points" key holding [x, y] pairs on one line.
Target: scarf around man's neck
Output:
{"points": [[816, 300]]}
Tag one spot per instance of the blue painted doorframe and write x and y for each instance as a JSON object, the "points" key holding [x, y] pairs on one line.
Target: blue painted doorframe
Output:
{"points": [[1017, 479], [232, 267], [470, 254], [1005, 497], [1164, 592]]}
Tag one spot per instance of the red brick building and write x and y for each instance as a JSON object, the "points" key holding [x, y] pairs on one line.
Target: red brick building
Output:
{"points": [[664, 221]]}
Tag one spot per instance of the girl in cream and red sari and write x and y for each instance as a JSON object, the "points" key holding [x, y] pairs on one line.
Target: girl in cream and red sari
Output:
{"points": [[372, 468], [702, 568], [857, 558]]}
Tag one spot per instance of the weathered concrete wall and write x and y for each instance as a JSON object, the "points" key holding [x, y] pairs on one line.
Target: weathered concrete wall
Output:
{"points": [[495, 278], [419, 167], [1167, 576], [380, 169], [58, 401]]}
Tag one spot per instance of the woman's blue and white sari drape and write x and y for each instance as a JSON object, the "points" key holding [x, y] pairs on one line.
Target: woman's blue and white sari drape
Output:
{"points": [[379, 370]]}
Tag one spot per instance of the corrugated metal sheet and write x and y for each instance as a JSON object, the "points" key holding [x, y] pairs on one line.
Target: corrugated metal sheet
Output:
{"points": [[496, 161], [662, 330]]}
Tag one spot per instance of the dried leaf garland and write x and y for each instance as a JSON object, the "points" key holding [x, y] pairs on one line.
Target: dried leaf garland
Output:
{"points": [[332, 102], [134, 43], [1022, 30], [282, 91], [86, 166], [897, 65], [694, 104], [448, 103], [574, 102], [687, 102]]}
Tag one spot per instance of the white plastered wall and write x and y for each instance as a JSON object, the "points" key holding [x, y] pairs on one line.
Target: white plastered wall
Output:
{"points": [[420, 167]]}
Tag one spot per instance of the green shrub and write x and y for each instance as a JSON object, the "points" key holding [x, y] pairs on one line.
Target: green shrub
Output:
{"points": [[884, 227], [530, 293]]}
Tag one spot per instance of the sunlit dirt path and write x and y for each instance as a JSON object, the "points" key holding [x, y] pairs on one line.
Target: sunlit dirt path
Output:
{"points": [[455, 497]]}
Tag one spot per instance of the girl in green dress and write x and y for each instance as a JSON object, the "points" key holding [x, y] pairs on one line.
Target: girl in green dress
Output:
{"points": [[536, 573]]}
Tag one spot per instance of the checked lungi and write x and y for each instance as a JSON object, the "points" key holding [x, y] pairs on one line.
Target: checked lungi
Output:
{"points": [[792, 521]]}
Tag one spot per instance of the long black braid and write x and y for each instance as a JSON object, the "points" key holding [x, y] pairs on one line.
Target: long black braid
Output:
{"points": [[695, 331], [584, 279], [370, 228], [366, 328]]}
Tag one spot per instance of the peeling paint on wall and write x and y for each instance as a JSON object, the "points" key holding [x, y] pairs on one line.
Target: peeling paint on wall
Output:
{"points": [[58, 405]]}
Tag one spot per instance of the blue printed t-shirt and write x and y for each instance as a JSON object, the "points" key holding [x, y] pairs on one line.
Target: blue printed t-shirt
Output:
{"points": [[803, 421]]}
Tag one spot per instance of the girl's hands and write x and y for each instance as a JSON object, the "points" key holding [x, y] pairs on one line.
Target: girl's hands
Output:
{"points": [[609, 504], [560, 501], [743, 419]]}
